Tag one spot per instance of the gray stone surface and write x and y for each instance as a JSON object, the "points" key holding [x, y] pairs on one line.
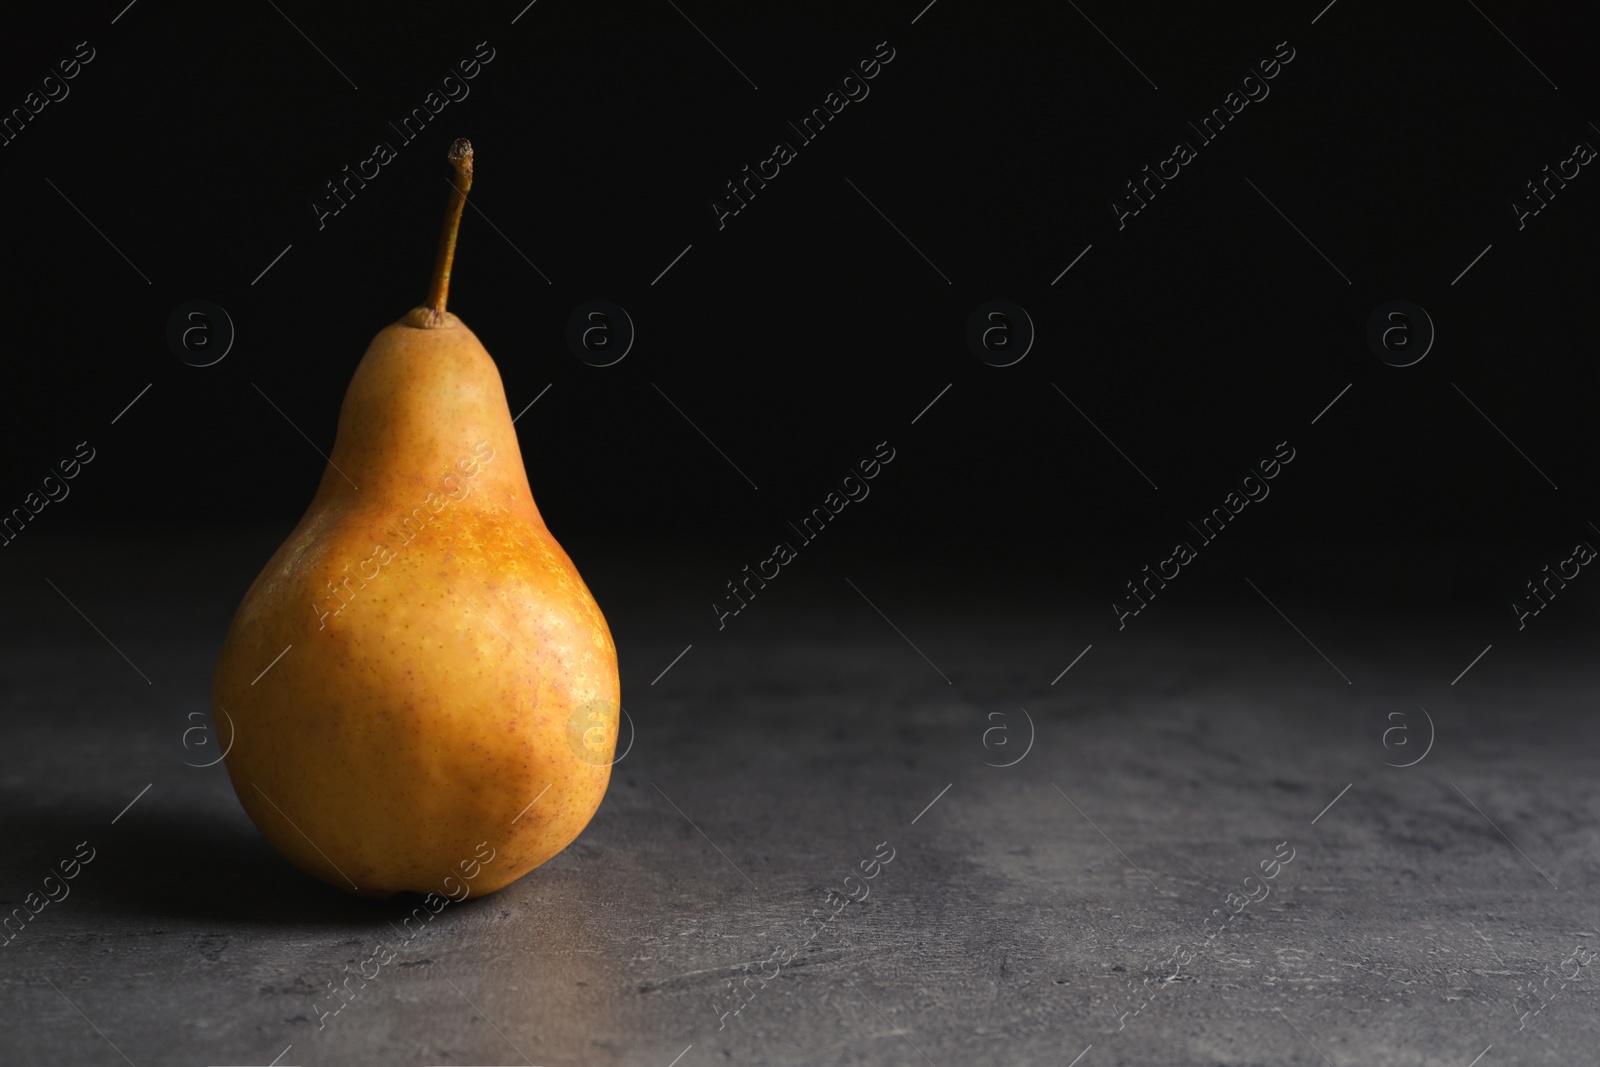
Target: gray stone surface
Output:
{"points": [[1016, 917]]}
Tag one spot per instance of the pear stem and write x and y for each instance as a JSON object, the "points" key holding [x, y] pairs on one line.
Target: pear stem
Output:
{"points": [[460, 157]]}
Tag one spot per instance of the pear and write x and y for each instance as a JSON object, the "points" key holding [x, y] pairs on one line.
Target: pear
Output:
{"points": [[423, 691]]}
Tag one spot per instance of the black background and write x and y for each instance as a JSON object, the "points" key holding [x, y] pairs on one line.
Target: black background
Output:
{"points": [[808, 330]]}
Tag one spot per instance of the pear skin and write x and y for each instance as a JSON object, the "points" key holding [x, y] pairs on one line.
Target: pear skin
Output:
{"points": [[445, 715]]}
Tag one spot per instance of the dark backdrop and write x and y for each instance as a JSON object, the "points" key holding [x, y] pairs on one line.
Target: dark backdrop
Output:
{"points": [[809, 328]]}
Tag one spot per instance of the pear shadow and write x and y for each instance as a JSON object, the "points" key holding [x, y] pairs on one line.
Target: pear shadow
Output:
{"points": [[161, 863]]}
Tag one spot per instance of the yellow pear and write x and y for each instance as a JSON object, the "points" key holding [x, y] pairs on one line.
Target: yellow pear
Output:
{"points": [[423, 692]]}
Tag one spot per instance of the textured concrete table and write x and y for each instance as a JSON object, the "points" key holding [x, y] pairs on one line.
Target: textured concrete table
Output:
{"points": [[1203, 859]]}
